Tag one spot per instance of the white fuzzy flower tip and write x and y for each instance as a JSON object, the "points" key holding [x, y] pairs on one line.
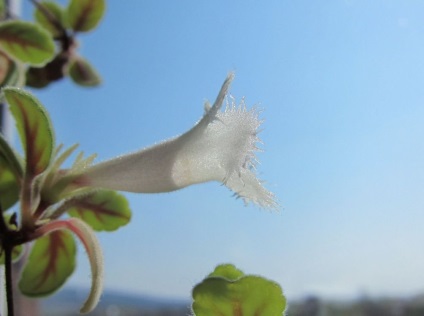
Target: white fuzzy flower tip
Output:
{"points": [[220, 147]]}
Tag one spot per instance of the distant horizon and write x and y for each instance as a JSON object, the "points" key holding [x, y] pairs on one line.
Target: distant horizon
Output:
{"points": [[81, 290]]}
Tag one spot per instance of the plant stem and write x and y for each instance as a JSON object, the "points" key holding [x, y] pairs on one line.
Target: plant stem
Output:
{"points": [[6, 243], [8, 275]]}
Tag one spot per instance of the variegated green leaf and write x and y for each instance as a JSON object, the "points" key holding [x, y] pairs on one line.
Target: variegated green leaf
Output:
{"points": [[94, 252], [35, 129], [246, 295], [82, 73], [228, 271], [84, 15], [27, 42], [12, 73], [50, 263], [102, 210], [9, 186], [10, 175], [50, 15]]}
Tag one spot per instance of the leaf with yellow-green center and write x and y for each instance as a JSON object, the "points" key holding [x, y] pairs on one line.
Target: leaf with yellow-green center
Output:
{"points": [[50, 15], [83, 73], [9, 186], [10, 175], [247, 295], [50, 263], [228, 271], [10, 71], [85, 15], [27, 42], [6, 65], [34, 127], [102, 210], [94, 253]]}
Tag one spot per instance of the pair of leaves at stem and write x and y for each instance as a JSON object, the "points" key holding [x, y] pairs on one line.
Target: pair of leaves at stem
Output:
{"points": [[33, 44], [227, 291], [79, 16], [26, 42], [22, 42], [52, 258]]}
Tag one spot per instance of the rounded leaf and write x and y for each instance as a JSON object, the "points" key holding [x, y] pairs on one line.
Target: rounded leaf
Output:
{"points": [[11, 73], [27, 42], [50, 263], [249, 295], [85, 15], [35, 129], [9, 186], [82, 73], [10, 175], [227, 271], [102, 210], [94, 253], [50, 15]]}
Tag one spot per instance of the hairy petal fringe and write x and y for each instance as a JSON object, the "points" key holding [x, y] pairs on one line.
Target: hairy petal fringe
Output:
{"points": [[220, 147]]}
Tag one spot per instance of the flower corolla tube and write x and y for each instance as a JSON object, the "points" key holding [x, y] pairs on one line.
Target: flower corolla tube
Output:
{"points": [[220, 147]]}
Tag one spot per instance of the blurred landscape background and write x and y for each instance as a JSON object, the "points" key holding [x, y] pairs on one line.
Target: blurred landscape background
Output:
{"points": [[341, 85], [67, 302]]}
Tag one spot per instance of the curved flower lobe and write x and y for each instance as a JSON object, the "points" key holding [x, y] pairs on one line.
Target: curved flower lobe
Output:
{"points": [[220, 147]]}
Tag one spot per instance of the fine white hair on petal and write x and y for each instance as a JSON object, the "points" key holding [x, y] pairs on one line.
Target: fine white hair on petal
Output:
{"points": [[220, 147], [248, 187]]}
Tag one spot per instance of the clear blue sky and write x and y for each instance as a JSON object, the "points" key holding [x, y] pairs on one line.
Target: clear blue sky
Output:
{"points": [[341, 85]]}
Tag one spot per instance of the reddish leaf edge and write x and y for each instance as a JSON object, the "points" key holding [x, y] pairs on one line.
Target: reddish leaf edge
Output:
{"points": [[94, 252]]}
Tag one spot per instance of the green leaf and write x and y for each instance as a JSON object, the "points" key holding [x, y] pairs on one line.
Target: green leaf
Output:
{"points": [[50, 15], [227, 271], [102, 210], [85, 15], [11, 158], [10, 175], [82, 73], [248, 295], [35, 129], [11, 73], [50, 263], [27, 42], [9, 186]]}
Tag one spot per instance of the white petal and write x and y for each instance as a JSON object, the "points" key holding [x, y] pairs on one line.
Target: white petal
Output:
{"points": [[250, 189], [220, 147]]}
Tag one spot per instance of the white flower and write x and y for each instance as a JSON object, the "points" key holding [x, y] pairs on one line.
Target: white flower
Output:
{"points": [[220, 147]]}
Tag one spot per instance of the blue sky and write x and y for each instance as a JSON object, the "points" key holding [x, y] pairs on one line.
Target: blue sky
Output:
{"points": [[340, 83]]}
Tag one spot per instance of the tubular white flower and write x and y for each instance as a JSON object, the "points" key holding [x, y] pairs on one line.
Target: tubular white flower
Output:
{"points": [[220, 147]]}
